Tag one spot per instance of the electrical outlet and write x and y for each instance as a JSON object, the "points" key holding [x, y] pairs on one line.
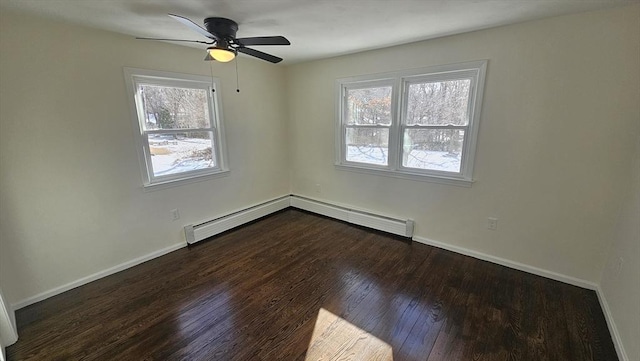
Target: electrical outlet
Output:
{"points": [[492, 223], [318, 188], [175, 214]]}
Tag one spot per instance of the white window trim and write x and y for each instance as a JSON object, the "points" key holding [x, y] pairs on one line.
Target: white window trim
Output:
{"points": [[361, 84], [399, 80], [134, 76]]}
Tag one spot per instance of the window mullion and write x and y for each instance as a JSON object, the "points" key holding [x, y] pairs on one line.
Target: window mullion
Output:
{"points": [[434, 150], [402, 126], [394, 132]]}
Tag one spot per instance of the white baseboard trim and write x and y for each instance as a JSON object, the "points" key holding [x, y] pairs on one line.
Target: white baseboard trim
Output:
{"points": [[203, 230], [104, 273], [511, 264], [265, 208], [401, 227], [613, 330], [294, 201], [615, 335]]}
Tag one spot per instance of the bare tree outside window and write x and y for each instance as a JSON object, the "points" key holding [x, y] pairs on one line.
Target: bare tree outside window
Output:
{"points": [[419, 124], [180, 132], [368, 114], [186, 111], [436, 116]]}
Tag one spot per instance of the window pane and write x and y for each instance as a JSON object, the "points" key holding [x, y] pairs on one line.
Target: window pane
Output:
{"points": [[370, 106], [433, 149], [174, 108], [181, 152], [438, 103], [366, 145]]}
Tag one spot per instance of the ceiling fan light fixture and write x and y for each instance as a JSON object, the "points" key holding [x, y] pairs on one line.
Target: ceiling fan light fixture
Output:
{"points": [[222, 54], [221, 33]]}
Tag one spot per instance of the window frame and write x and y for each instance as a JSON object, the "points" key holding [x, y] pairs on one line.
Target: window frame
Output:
{"points": [[394, 108], [135, 77], [474, 70]]}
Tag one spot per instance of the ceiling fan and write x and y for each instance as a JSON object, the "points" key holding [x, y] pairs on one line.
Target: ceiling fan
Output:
{"points": [[224, 44]]}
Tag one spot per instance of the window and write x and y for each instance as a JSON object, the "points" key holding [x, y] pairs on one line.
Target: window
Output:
{"points": [[419, 124], [178, 125]]}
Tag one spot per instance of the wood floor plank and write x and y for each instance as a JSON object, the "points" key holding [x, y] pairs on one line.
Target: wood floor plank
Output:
{"points": [[297, 286]]}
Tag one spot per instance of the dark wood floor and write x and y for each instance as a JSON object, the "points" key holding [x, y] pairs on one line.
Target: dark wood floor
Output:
{"points": [[256, 293]]}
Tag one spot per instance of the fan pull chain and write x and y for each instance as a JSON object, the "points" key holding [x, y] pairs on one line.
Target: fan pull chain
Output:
{"points": [[237, 82], [213, 89]]}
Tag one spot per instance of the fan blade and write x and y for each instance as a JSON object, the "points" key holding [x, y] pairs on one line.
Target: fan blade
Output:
{"points": [[188, 41], [193, 26], [263, 40], [260, 55]]}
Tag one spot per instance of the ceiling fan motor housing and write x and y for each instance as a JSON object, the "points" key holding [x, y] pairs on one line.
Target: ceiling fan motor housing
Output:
{"points": [[223, 33], [222, 27]]}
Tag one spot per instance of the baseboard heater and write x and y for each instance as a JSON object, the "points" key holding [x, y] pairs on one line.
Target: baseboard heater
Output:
{"points": [[402, 227], [198, 232]]}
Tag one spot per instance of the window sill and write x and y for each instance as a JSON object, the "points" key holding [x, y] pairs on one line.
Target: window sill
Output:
{"points": [[149, 187], [459, 182]]}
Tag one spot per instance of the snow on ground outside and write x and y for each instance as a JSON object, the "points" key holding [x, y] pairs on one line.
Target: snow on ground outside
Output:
{"points": [[179, 150], [421, 159], [177, 159]]}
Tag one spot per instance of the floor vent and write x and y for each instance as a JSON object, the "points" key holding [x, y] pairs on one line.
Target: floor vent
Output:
{"points": [[402, 227], [198, 232]]}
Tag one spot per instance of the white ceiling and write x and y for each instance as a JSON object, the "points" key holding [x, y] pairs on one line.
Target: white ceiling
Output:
{"points": [[316, 28]]}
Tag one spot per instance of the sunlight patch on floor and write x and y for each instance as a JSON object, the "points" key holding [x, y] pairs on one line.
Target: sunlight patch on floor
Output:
{"points": [[336, 339]]}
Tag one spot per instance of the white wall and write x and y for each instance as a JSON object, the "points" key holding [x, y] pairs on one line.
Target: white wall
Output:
{"points": [[71, 199], [620, 283], [557, 134], [559, 120]]}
